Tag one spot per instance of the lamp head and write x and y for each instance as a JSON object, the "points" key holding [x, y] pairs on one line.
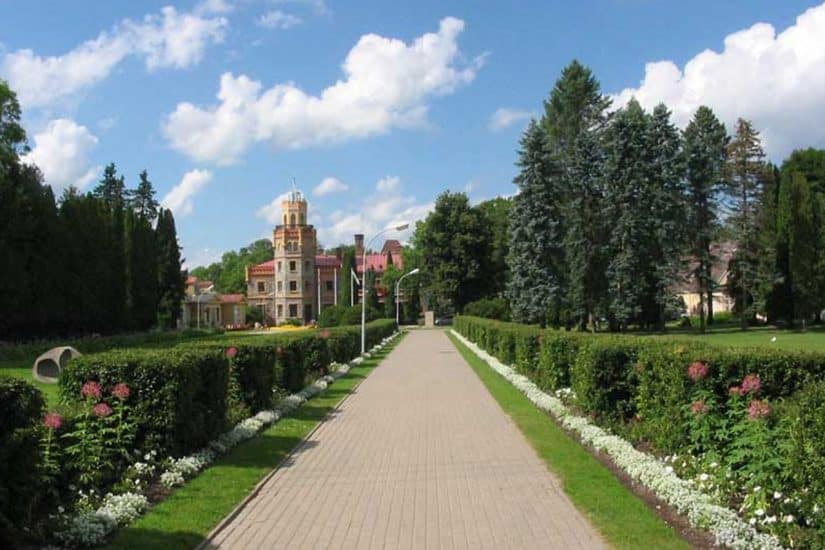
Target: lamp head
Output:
{"points": [[401, 227], [414, 271]]}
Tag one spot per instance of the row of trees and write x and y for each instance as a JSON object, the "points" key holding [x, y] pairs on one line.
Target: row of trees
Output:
{"points": [[104, 261], [616, 209]]}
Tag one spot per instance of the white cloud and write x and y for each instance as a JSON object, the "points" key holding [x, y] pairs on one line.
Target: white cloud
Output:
{"points": [[167, 39], [276, 19], [329, 185], [388, 183], [272, 212], [61, 151], [214, 6], [505, 117], [386, 84], [319, 6], [373, 215], [776, 80], [179, 199], [107, 123]]}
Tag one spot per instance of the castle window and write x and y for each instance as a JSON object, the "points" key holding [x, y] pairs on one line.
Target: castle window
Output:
{"points": [[280, 286], [293, 286], [293, 310], [261, 286], [329, 286], [292, 219], [292, 265], [280, 310]]}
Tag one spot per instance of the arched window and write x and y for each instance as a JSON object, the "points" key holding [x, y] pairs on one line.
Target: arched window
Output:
{"points": [[292, 219], [284, 219]]}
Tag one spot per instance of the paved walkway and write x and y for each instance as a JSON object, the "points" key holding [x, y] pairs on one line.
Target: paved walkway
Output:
{"points": [[420, 456]]}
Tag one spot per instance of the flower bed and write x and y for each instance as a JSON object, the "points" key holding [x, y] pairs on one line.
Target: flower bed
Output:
{"points": [[89, 525], [699, 508]]}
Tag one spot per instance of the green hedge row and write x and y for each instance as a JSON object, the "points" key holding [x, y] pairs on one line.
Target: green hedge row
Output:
{"points": [[180, 394], [643, 388], [21, 409]]}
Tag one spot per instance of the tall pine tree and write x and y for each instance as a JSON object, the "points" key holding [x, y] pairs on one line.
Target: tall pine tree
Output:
{"points": [[745, 176], [705, 142], [536, 234]]}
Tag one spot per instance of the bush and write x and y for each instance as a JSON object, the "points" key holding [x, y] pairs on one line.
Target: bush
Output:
{"points": [[603, 379], [807, 450], [21, 409], [489, 308], [557, 353], [331, 316], [180, 395]]}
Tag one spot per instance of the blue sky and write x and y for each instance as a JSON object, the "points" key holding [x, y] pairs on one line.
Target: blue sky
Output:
{"points": [[385, 103]]}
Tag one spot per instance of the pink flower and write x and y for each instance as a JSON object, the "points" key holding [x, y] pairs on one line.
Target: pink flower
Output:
{"points": [[325, 334], [53, 421], [698, 407], [102, 410], [91, 389], [751, 384], [758, 409], [735, 390], [121, 391], [231, 352], [697, 371]]}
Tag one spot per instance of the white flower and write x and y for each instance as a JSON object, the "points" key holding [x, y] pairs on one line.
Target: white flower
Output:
{"points": [[760, 512], [789, 518], [777, 495], [704, 477]]}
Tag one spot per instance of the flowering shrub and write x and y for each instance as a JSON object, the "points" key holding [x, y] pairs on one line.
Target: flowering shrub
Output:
{"points": [[743, 438]]}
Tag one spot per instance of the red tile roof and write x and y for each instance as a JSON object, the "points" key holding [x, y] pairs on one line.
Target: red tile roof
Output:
{"points": [[327, 261], [392, 245], [263, 269], [232, 298], [378, 262]]}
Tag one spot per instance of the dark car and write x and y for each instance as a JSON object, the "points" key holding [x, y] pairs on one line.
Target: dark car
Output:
{"points": [[444, 321]]}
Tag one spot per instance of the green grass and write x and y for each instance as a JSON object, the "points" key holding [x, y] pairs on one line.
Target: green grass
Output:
{"points": [[18, 369], [190, 513], [623, 519], [762, 337]]}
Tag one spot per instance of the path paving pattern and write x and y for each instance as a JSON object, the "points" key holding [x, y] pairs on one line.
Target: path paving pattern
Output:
{"points": [[419, 456]]}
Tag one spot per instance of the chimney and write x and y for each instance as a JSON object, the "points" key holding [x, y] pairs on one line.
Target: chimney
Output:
{"points": [[359, 244]]}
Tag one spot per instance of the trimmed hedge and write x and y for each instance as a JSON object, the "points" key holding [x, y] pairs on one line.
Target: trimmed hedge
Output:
{"points": [[178, 396], [21, 409], [642, 387]]}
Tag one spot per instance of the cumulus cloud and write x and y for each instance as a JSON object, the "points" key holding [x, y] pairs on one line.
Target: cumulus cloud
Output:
{"points": [[505, 117], [214, 6], [276, 19], [272, 212], [328, 186], [388, 183], [386, 84], [776, 80], [374, 214], [168, 39], [179, 199], [61, 151]]}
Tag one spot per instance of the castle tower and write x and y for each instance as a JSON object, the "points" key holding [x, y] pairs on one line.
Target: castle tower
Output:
{"points": [[294, 243]]}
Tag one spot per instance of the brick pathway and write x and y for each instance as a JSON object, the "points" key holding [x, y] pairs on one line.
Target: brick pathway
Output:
{"points": [[420, 456]]}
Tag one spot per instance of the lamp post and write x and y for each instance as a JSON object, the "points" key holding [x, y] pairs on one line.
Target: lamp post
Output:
{"points": [[400, 227], [397, 285]]}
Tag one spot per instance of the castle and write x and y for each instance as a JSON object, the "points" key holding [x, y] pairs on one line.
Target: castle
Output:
{"points": [[300, 281]]}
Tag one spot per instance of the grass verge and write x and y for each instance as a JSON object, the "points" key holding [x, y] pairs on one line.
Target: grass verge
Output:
{"points": [[190, 513], [622, 518]]}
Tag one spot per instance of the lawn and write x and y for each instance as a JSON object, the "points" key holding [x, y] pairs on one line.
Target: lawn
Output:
{"points": [[20, 369], [764, 337], [185, 518], [622, 518]]}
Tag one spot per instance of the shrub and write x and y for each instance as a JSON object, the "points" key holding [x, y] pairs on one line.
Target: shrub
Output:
{"points": [[180, 395], [557, 353], [603, 379], [489, 308], [807, 444], [331, 316], [21, 410]]}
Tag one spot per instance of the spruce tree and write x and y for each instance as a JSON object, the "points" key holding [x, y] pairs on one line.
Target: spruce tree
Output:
{"points": [[667, 223], [536, 249], [705, 142], [586, 231], [745, 175], [142, 198], [171, 282], [628, 207]]}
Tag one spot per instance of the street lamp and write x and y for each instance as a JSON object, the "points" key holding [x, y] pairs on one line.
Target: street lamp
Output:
{"points": [[398, 284], [400, 227]]}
